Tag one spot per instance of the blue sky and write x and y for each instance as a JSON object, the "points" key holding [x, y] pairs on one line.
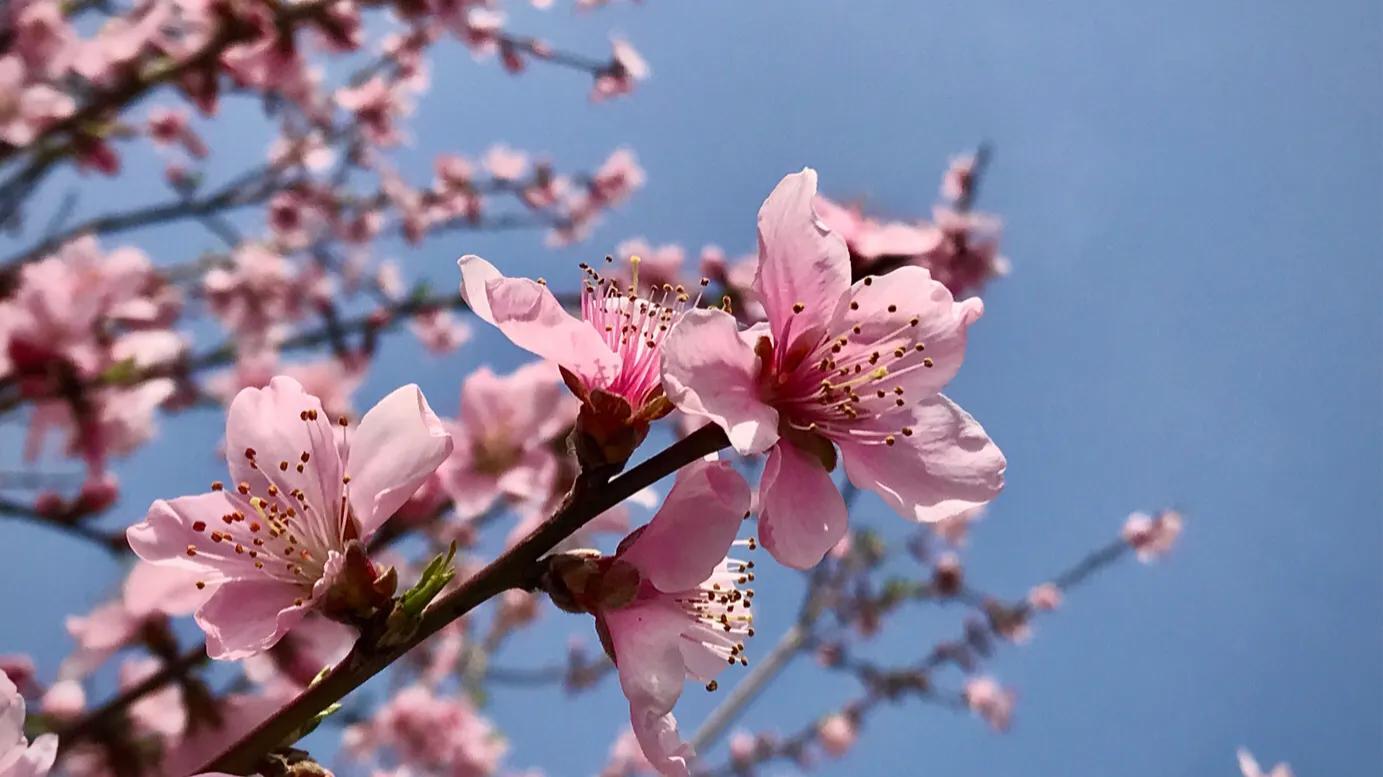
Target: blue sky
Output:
{"points": [[1192, 195]]}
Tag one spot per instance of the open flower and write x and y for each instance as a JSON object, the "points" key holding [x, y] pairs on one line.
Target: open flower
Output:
{"points": [[19, 757], [287, 536], [667, 605], [855, 367], [610, 356], [504, 437]]}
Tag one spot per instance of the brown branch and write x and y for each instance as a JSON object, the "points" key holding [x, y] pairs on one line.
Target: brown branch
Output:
{"points": [[515, 568]]}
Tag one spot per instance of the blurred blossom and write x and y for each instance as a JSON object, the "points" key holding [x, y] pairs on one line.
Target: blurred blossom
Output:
{"points": [[429, 732], [1250, 768], [836, 734], [990, 701], [1152, 536]]}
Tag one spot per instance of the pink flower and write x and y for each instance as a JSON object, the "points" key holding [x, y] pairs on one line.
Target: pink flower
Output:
{"points": [[959, 179], [260, 291], [1248, 765], [967, 255], [618, 78], [1045, 597], [836, 734], [990, 701], [667, 605], [868, 239], [1152, 536], [855, 367], [286, 537], [168, 126], [19, 758], [504, 437], [505, 163], [162, 713], [439, 331], [626, 758], [25, 109], [610, 357], [376, 103], [433, 733], [618, 177], [293, 218]]}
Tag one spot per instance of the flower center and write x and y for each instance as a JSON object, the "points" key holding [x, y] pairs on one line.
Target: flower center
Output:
{"points": [[634, 325], [277, 527], [845, 383]]}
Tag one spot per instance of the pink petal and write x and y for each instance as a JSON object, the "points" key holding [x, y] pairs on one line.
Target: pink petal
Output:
{"points": [[35, 760], [166, 532], [660, 741], [800, 260], [947, 466], [691, 533], [11, 714], [246, 617], [801, 512], [884, 310], [530, 404], [399, 443], [270, 423], [897, 239], [527, 313], [645, 641], [710, 372], [157, 588]]}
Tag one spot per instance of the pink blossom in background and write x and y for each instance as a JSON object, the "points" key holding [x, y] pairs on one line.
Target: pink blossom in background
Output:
{"points": [[967, 256], [19, 757], [626, 68], [505, 163], [857, 367], [161, 713], [285, 537], [26, 108], [64, 700], [1152, 536], [169, 127], [867, 238], [626, 758], [990, 701], [260, 292], [377, 105], [440, 331], [836, 734], [1249, 767], [657, 266], [422, 730], [618, 177], [958, 181], [505, 437], [1045, 597], [331, 380]]}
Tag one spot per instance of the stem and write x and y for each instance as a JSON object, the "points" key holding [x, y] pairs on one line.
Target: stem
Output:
{"points": [[98, 720], [514, 568]]}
